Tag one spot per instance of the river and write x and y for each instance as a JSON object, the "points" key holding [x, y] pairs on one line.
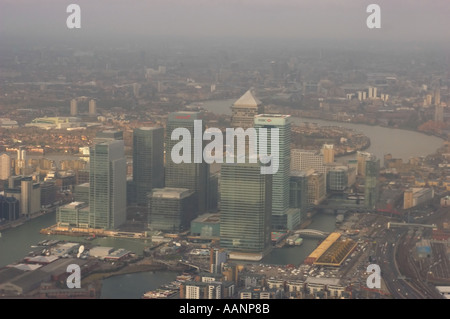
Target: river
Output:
{"points": [[15, 243], [402, 144]]}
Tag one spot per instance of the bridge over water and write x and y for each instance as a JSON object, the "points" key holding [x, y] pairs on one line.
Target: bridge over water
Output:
{"points": [[393, 225]]}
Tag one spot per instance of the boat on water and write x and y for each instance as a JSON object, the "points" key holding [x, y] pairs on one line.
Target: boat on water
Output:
{"points": [[41, 243], [294, 240], [51, 242]]}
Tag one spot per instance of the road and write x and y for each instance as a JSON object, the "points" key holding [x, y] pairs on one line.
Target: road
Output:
{"points": [[392, 250]]}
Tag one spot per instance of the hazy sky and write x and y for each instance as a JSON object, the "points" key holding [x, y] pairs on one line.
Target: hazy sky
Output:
{"points": [[308, 19]]}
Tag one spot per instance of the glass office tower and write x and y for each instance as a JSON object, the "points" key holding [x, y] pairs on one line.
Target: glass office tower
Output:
{"points": [[171, 209], [148, 161], [298, 189], [193, 176], [280, 189], [246, 210], [107, 186], [372, 171]]}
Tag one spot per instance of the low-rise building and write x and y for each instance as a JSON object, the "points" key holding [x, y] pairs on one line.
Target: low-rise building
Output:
{"points": [[416, 196]]}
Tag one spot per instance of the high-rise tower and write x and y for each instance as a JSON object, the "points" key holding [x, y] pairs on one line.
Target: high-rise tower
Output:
{"points": [[92, 107], [193, 176], [371, 182], [148, 161], [21, 160], [245, 109], [5, 166], [246, 209], [439, 113], [107, 189], [280, 182], [73, 107], [328, 153]]}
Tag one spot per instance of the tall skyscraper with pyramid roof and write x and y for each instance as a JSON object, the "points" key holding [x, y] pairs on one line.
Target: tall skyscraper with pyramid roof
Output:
{"points": [[245, 109]]}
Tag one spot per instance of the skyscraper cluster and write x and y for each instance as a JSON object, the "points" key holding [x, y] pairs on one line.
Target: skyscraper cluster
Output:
{"points": [[173, 194]]}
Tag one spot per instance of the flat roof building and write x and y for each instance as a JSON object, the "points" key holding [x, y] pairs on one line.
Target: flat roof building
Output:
{"points": [[148, 161], [416, 196], [246, 210], [107, 193], [206, 226], [74, 214], [171, 209], [191, 175], [280, 180]]}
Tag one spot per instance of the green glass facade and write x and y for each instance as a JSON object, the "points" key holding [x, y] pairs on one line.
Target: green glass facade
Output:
{"points": [[148, 161], [107, 187], [171, 209], [193, 176], [246, 208], [298, 191], [280, 190], [371, 179], [75, 214]]}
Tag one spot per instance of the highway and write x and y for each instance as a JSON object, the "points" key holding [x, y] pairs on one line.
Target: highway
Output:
{"points": [[393, 249]]}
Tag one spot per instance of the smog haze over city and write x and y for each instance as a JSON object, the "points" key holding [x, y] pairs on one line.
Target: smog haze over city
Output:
{"points": [[329, 20], [127, 166]]}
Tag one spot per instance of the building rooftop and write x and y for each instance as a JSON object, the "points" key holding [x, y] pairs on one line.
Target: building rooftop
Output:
{"points": [[207, 218], [30, 280], [60, 266], [248, 100], [296, 173], [65, 248], [7, 273], [419, 191], [323, 281], [119, 253], [443, 289], [184, 115], [149, 128], [324, 245], [41, 259], [279, 116], [27, 267], [171, 193], [100, 251], [74, 205]]}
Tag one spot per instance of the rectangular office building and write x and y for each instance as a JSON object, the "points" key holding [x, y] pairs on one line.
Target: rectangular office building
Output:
{"points": [[107, 192], [193, 176], [246, 210], [148, 161], [280, 180], [171, 209]]}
